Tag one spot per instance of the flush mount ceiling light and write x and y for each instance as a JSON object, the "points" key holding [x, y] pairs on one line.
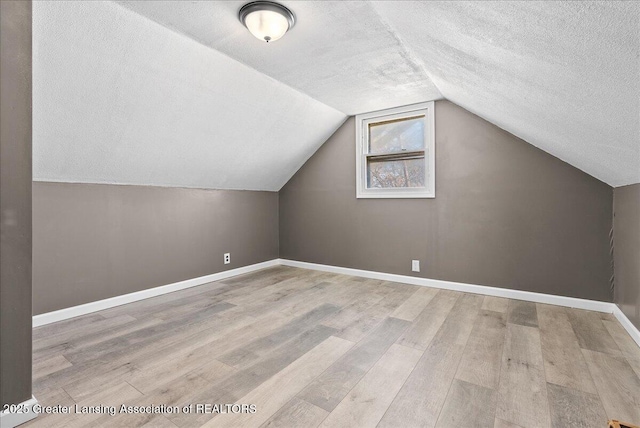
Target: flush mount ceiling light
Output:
{"points": [[266, 20]]}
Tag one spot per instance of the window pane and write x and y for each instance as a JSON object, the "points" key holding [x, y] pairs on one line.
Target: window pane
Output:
{"points": [[395, 173], [396, 136]]}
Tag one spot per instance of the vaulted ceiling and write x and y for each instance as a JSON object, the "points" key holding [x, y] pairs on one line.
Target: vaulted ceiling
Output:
{"points": [[120, 99], [179, 93]]}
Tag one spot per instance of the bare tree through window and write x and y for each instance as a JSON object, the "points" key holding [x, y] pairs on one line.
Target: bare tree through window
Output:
{"points": [[396, 153]]}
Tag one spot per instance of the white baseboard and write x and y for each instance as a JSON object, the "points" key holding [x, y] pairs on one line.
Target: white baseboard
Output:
{"points": [[570, 302], [25, 414], [87, 308], [626, 323]]}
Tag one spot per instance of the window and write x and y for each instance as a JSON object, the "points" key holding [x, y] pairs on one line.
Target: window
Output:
{"points": [[395, 153]]}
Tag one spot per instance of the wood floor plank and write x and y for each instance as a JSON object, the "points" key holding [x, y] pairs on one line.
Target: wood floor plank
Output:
{"points": [[303, 301], [177, 358], [155, 332], [348, 314], [159, 421], [369, 318], [148, 381], [166, 348], [71, 331], [396, 296], [590, 331], [365, 405], [277, 360], [296, 413], [170, 393], [270, 396], [415, 304], [426, 325], [573, 408], [468, 405], [606, 316], [482, 357], [107, 398], [563, 362], [250, 352], [635, 365], [228, 329], [83, 379], [285, 297], [155, 307], [201, 297], [280, 289], [522, 313], [496, 304], [54, 397], [234, 387], [626, 344], [230, 332], [617, 383], [335, 383], [420, 400], [78, 381], [338, 293], [272, 275], [50, 365], [76, 323], [85, 339], [499, 423], [522, 393]]}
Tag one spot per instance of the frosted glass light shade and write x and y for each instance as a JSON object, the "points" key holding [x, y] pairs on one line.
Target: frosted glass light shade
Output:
{"points": [[267, 21], [267, 25]]}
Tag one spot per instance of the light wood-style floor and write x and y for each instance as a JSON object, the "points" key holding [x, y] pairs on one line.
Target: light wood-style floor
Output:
{"points": [[315, 349]]}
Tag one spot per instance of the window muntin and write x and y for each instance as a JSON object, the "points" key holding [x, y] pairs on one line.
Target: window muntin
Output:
{"points": [[395, 157]]}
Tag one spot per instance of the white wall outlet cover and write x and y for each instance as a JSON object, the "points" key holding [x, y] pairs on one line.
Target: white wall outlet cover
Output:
{"points": [[415, 265], [227, 258]]}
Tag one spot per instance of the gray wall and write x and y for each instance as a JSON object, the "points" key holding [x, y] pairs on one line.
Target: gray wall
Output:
{"points": [[626, 208], [506, 214], [94, 241], [15, 201]]}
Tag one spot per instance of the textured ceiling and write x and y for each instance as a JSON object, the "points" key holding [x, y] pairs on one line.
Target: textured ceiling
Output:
{"points": [[340, 53], [564, 76], [117, 98]]}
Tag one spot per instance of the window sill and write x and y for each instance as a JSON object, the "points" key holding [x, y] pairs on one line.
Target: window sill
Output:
{"points": [[395, 195]]}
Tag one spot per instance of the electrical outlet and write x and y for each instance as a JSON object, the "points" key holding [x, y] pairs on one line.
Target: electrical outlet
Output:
{"points": [[227, 258], [415, 265]]}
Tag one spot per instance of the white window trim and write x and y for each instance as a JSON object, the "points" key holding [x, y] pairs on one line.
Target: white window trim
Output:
{"points": [[429, 148]]}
